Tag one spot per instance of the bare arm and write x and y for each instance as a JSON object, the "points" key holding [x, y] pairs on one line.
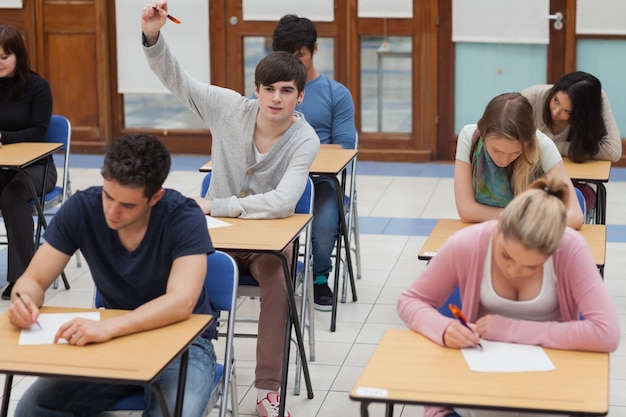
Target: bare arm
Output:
{"points": [[183, 288], [574, 213], [470, 211]]}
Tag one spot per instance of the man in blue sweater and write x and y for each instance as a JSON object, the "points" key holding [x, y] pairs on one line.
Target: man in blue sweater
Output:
{"points": [[329, 108]]}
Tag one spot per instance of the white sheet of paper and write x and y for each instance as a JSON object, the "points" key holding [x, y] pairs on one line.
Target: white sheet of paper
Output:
{"points": [[50, 324], [212, 222], [507, 357]]}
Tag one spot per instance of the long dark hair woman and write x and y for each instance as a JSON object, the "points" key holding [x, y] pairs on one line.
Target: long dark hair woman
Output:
{"points": [[25, 110]]}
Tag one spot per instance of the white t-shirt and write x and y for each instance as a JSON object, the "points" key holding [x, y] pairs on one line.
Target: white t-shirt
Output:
{"points": [[550, 155]]}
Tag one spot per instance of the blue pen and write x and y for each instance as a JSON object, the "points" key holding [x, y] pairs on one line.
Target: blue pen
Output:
{"points": [[461, 318]]}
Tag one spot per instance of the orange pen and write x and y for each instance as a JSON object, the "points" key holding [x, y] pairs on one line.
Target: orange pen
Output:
{"points": [[169, 16], [461, 318]]}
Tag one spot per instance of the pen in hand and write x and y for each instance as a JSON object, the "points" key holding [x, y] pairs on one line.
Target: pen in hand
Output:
{"points": [[461, 318], [169, 16], [24, 302]]}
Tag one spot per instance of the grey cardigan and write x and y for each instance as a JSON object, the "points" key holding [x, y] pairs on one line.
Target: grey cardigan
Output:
{"points": [[239, 186]]}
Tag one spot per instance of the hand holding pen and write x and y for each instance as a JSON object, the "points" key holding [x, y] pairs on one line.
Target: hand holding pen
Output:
{"points": [[169, 16], [461, 318], [19, 297]]}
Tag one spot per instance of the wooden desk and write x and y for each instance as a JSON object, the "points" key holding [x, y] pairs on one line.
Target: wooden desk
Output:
{"points": [[594, 234], [18, 156], [332, 163], [134, 359], [271, 236], [408, 368], [594, 172]]}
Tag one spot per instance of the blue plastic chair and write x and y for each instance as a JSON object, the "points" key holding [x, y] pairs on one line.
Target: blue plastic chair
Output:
{"points": [[59, 131], [582, 202], [220, 285]]}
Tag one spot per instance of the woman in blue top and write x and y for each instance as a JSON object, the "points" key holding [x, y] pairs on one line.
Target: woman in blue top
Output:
{"points": [[499, 157]]}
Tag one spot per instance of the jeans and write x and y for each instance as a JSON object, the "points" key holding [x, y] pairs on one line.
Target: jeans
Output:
{"points": [[56, 397], [325, 228]]}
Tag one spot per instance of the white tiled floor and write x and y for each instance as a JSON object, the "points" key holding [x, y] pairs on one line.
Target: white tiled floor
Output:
{"points": [[389, 264]]}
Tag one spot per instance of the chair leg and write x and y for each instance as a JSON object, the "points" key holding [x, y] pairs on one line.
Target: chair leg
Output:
{"points": [[66, 284], [234, 403], [353, 234], [79, 262]]}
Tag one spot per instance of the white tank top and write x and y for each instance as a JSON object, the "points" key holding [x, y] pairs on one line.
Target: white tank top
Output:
{"points": [[544, 307]]}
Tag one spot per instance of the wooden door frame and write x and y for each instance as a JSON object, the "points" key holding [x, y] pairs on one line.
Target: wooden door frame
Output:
{"points": [[421, 143]]}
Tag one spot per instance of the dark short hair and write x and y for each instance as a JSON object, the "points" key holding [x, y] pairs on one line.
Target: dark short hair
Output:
{"points": [[12, 42], [280, 66], [137, 161], [292, 33]]}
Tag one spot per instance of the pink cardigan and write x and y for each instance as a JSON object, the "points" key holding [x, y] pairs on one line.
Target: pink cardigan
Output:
{"points": [[460, 262]]}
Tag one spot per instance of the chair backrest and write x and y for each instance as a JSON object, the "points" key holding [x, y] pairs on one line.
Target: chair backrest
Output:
{"points": [[204, 188], [453, 298], [222, 280], [60, 131], [305, 204]]}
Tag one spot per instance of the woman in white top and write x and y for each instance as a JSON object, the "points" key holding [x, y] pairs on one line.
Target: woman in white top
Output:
{"points": [[498, 158], [575, 113]]}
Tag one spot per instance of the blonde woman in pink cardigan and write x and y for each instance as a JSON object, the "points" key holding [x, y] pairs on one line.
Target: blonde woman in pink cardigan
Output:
{"points": [[524, 278]]}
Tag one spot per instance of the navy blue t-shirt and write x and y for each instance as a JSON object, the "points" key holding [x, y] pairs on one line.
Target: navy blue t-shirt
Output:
{"points": [[127, 280]]}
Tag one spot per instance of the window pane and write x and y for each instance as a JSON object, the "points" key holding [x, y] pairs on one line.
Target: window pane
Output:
{"points": [[386, 87], [158, 111]]}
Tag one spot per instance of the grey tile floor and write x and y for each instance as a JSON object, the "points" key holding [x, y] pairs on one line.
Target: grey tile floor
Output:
{"points": [[397, 205]]}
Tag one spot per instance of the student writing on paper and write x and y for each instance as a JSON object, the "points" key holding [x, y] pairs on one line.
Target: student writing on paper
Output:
{"points": [[498, 158], [146, 247], [261, 150], [524, 278]]}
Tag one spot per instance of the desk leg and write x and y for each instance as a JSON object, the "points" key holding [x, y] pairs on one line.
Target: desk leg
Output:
{"points": [[364, 411], [343, 235], [389, 410], [182, 378], [600, 203], [292, 320], [6, 395]]}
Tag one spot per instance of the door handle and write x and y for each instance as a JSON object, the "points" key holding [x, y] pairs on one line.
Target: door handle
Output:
{"points": [[558, 20]]}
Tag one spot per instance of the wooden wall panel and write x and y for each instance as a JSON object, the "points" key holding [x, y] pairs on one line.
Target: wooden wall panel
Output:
{"points": [[71, 67]]}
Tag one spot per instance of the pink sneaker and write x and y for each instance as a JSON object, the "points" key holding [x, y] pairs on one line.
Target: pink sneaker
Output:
{"points": [[268, 406]]}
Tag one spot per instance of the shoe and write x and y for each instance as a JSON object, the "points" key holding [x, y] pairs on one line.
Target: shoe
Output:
{"points": [[268, 406], [6, 294], [322, 297]]}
